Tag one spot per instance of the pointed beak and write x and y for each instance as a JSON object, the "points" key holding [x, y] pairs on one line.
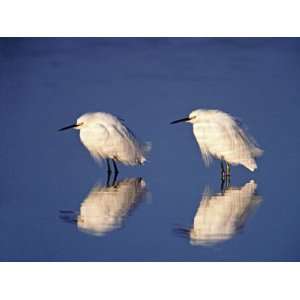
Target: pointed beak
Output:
{"points": [[68, 127], [181, 120]]}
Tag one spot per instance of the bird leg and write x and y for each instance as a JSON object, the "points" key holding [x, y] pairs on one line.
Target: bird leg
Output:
{"points": [[108, 172], [108, 166], [108, 180], [115, 166], [222, 185], [225, 183], [113, 183], [222, 171], [227, 169], [116, 171], [228, 183]]}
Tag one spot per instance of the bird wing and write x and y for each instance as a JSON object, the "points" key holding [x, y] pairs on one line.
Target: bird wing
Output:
{"points": [[128, 135], [129, 149], [249, 140], [219, 135]]}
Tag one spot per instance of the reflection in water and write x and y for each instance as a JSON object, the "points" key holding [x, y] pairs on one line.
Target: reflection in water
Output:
{"points": [[220, 216], [105, 208]]}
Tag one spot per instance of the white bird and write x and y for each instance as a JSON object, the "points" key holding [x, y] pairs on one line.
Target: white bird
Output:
{"points": [[220, 216], [105, 208], [219, 135], [106, 137]]}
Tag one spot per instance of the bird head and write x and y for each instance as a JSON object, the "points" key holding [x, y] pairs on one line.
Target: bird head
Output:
{"points": [[192, 118], [75, 126], [78, 125], [83, 121]]}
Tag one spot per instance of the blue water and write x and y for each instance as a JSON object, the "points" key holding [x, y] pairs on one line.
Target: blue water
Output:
{"points": [[46, 175]]}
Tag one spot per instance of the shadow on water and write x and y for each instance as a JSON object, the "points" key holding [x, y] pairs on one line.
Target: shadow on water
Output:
{"points": [[221, 216], [106, 207]]}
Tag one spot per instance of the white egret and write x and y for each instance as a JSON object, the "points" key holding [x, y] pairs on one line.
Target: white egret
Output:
{"points": [[220, 216], [105, 207], [106, 137], [219, 135]]}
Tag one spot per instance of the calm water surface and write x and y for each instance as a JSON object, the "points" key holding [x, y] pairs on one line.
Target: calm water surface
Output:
{"points": [[55, 205]]}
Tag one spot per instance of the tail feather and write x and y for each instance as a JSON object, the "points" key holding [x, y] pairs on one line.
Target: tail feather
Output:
{"points": [[146, 148], [256, 152], [250, 164]]}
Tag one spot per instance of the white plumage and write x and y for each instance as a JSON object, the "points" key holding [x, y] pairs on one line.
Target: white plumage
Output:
{"points": [[106, 137], [220, 216], [219, 135]]}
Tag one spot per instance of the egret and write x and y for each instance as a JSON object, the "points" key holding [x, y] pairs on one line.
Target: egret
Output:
{"points": [[219, 135], [106, 207], [220, 216], [107, 137]]}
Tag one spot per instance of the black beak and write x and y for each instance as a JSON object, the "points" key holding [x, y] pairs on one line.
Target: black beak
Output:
{"points": [[181, 120], [68, 127]]}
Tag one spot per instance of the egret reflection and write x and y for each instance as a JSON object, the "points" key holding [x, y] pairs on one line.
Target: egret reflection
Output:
{"points": [[106, 207], [220, 216]]}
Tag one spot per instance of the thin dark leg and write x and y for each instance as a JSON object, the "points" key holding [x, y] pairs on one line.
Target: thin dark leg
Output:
{"points": [[108, 166], [222, 171], [116, 172], [113, 183], [115, 167], [225, 184], [228, 184], [108, 172], [222, 185]]}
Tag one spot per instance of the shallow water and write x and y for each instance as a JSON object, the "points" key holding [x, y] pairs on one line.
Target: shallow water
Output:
{"points": [[54, 203]]}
